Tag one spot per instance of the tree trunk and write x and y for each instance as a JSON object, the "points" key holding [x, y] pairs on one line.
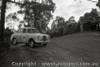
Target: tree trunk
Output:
{"points": [[2, 23], [81, 27]]}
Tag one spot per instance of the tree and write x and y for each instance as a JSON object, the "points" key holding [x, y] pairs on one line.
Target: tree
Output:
{"points": [[71, 26], [11, 19], [38, 11], [90, 20], [59, 21], [12, 16], [58, 26], [3, 8], [98, 3], [2, 22], [38, 14]]}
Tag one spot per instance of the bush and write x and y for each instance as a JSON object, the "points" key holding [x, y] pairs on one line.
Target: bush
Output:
{"points": [[68, 29], [6, 44], [7, 33]]}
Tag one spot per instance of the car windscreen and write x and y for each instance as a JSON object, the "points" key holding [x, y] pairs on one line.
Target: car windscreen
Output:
{"points": [[33, 31]]}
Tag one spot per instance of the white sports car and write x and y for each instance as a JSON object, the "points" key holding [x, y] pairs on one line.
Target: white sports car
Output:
{"points": [[30, 36]]}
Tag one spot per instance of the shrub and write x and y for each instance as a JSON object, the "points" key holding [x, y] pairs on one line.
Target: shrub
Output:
{"points": [[6, 44]]}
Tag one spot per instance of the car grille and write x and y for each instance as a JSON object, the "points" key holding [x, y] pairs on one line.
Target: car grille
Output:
{"points": [[44, 38]]}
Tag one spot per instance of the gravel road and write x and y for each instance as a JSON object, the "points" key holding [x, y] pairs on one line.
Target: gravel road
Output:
{"points": [[75, 50]]}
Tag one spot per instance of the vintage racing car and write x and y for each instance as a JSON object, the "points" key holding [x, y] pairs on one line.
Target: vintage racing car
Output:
{"points": [[30, 36]]}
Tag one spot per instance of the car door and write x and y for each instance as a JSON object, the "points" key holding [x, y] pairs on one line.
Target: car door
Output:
{"points": [[24, 35], [19, 35]]}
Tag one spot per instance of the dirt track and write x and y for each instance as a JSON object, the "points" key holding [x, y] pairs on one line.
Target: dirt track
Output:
{"points": [[75, 50]]}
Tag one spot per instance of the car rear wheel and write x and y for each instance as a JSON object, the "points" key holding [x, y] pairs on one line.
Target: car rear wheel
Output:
{"points": [[26, 44], [44, 44], [31, 43], [14, 41]]}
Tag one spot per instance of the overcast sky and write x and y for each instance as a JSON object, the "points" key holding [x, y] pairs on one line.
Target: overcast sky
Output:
{"points": [[68, 8]]}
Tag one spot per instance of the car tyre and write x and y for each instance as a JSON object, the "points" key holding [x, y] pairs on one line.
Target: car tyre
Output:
{"points": [[44, 44], [26, 44], [14, 41], [31, 43]]}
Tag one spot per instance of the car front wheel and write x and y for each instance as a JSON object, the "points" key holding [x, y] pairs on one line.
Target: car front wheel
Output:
{"points": [[14, 41], [31, 43]]}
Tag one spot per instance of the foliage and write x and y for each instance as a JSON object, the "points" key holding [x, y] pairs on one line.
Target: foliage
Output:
{"points": [[90, 20], [58, 25], [37, 14], [8, 33], [61, 27], [71, 26], [98, 3], [7, 42], [12, 16]]}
